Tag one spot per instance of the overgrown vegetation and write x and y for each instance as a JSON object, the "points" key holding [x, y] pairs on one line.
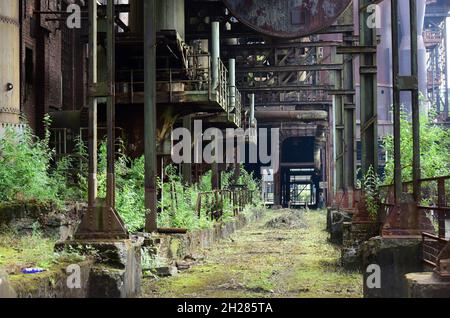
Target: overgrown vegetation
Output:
{"points": [[28, 173], [434, 142], [25, 173]]}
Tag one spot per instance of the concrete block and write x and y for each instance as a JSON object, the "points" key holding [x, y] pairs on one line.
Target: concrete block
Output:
{"points": [[426, 285], [396, 258]]}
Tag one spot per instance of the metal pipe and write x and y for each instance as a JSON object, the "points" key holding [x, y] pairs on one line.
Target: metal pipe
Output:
{"points": [[422, 73], [215, 53], [415, 98], [111, 140], [150, 116], [92, 180], [171, 16], [446, 71], [232, 83], [284, 115], [252, 110]]}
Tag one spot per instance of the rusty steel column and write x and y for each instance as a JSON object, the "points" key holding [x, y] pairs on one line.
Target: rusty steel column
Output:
{"points": [[9, 62], [368, 75], [150, 116], [338, 110], [101, 221], [93, 77], [405, 83], [349, 123]]}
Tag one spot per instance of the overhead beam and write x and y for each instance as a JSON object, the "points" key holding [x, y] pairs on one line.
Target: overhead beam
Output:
{"points": [[289, 68]]}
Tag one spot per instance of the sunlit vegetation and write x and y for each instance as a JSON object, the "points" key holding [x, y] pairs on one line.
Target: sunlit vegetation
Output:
{"points": [[434, 155], [28, 173]]}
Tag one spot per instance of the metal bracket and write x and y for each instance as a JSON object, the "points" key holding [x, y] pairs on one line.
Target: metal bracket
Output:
{"points": [[103, 89]]}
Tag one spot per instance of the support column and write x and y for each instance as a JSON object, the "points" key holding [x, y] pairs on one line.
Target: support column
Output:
{"points": [[339, 127], [150, 116], [368, 75], [101, 220], [232, 83], [349, 124], [187, 167], [406, 83], [111, 112], [277, 178], [92, 179], [215, 53]]}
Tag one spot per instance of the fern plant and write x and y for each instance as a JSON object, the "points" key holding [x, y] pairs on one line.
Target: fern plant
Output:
{"points": [[371, 188]]}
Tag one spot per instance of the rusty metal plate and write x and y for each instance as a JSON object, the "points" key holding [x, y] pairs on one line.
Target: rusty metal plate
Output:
{"points": [[287, 18]]}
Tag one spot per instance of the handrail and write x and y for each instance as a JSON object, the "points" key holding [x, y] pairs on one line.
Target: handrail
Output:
{"points": [[197, 77], [214, 201]]}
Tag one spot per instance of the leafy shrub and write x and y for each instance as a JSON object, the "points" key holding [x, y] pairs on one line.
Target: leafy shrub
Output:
{"points": [[25, 169], [434, 142]]}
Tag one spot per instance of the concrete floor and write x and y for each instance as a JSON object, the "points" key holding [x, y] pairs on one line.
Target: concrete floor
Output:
{"points": [[261, 261]]}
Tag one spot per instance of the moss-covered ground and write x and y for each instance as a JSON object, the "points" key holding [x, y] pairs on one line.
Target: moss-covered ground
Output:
{"points": [[259, 261]]}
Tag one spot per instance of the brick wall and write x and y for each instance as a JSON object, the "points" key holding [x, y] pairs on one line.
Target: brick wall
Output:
{"points": [[53, 85]]}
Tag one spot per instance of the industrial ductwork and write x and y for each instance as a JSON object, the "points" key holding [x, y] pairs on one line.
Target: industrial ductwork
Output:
{"points": [[291, 116]]}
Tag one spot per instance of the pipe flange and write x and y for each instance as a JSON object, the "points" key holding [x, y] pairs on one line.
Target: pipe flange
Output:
{"points": [[9, 20], [10, 110], [11, 125]]}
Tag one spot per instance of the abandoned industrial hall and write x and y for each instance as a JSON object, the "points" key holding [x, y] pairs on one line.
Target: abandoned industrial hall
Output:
{"points": [[226, 149]]}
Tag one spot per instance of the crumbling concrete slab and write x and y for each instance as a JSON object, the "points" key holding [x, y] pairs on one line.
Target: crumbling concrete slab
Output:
{"points": [[396, 257], [426, 285], [354, 236]]}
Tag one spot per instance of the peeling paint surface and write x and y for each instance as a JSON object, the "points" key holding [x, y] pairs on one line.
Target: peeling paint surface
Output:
{"points": [[287, 18]]}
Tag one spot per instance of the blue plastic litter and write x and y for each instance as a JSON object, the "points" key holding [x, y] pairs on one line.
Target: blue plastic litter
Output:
{"points": [[32, 270]]}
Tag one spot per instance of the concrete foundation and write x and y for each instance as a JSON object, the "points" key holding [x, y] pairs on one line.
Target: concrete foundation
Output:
{"points": [[396, 257], [426, 285], [22, 217], [335, 224], [111, 270], [117, 270], [354, 235], [170, 249]]}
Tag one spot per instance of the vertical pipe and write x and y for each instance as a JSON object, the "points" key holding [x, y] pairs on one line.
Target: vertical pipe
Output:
{"points": [[92, 182], [396, 103], [252, 110], [422, 75], [150, 116], [110, 57], [446, 70], [415, 98], [215, 53], [232, 83], [187, 166]]}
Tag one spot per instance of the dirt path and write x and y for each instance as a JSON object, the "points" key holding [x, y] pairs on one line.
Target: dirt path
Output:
{"points": [[267, 261]]}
